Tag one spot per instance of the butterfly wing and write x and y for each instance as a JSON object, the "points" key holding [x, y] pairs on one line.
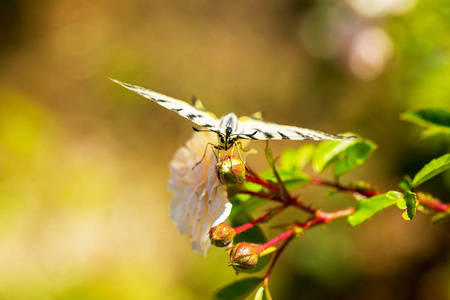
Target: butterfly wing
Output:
{"points": [[200, 116], [251, 128]]}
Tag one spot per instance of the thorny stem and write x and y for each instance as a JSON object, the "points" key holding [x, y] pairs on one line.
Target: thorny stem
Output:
{"points": [[262, 195], [273, 262], [321, 217], [363, 192], [434, 203], [291, 200], [255, 178], [303, 206]]}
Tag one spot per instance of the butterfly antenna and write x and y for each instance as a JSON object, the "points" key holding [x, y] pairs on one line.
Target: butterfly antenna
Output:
{"points": [[207, 130], [246, 135]]}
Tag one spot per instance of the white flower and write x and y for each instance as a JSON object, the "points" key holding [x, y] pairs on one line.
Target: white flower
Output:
{"points": [[200, 200]]}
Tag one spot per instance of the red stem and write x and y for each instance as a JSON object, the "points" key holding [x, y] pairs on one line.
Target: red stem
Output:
{"points": [[261, 219], [262, 195], [273, 262], [367, 193], [303, 206], [253, 177], [261, 182], [320, 218], [434, 204], [278, 239]]}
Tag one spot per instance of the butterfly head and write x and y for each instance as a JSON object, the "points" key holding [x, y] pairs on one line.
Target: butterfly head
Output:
{"points": [[227, 139]]}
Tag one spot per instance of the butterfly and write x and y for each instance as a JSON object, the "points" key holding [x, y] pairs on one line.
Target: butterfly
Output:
{"points": [[230, 129]]}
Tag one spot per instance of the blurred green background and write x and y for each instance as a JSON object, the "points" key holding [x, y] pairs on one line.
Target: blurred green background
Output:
{"points": [[84, 162]]}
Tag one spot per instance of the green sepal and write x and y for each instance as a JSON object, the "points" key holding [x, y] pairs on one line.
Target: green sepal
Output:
{"points": [[238, 290], [405, 183]]}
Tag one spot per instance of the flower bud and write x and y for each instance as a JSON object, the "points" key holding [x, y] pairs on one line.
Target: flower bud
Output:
{"points": [[230, 170], [244, 256], [222, 235]]}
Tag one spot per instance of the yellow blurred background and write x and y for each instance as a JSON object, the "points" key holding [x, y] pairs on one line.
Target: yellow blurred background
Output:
{"points": [[84, 162]]}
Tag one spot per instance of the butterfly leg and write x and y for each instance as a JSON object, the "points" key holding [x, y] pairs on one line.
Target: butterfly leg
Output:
{"points": [[204, 153], [239, 148]]}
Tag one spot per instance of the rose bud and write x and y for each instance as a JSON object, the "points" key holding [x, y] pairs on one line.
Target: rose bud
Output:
{"points": [[244, 256], [222, 235], [230, 170]]}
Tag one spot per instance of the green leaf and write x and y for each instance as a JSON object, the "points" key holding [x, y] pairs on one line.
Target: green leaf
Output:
{"points": [[433, 168], [368, 207], [243, 205], [288, 159], [394, 195], [437, 118], [441, 217], [296, 159], [304, 155], [405, 184], [262, 294], [398, 197], [238, 290], [401, 203], [291, 179], [354, 155], [411, 202], [344, 155], [326, 151], [406, 216], [269, 155], [431, 132]]}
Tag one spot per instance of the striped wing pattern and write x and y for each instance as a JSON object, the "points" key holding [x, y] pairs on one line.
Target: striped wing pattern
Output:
{"points": [[252, 127], [200, 117], [262, 130]]}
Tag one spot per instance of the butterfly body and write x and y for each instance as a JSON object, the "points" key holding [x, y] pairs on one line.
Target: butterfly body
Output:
{"points": [[230, 128]]}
